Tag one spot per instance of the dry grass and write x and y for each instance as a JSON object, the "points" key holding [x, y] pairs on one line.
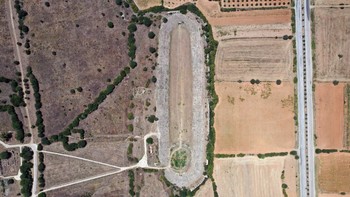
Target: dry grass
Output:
{"points": [[265, 59], [211, 9], [249, 176], [206, 190], [60, 170], [267, 105], [333, 173], [10, 167], [152, 187], [174, 3], [145, 4], [111, 186], [88, 53], [332, 44], [329, 117]]}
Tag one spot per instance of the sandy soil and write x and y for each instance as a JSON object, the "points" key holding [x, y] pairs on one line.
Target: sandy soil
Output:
{"points": [[266, 59], [248, 176], [211, 9], [251, 31], [153, 187], [329, 107], [180, 94], [332, 31], [268, 106], [206, 190], [145, 4], [333, 173]]}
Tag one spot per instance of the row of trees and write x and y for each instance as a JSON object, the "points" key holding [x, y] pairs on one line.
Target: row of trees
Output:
{"points": [[26, 177], [17, 125]]}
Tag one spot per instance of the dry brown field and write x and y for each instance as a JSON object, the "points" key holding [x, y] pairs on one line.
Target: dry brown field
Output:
{"points": [[5, 122], [108, 149], [332, 39], [329, 120], [206, 190], [175, 3], [333, 173], [250, 176], [9, 190], [152, 187], [145, 4], [267, 105], [334, 195], [331, 3], [252, 4], [180, 87], [60, 170], [72, 47], [6, 48], [110, 186], [251, 31], [211, 10], [266, 59]]}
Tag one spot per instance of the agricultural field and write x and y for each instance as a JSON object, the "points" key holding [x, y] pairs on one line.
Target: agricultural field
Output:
{"points": [[222, 33], [249, 5], [216, 17], [332, 44], [332, 171], [250, 176], [266, 59], [334, 3], [268, 105], [330, 115]]}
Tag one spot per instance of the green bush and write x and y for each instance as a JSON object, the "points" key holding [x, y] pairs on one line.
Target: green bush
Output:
{"points": [[149, 140], [151, 35], [131, 127], [110, 24], [131, 116], [5, 155]]}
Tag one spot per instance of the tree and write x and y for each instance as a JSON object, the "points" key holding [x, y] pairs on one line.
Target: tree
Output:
{"points": [[131, 116], [5, 155], [41, 167], [165, 20], [252, 81], [335, 82], [151, 35], [154, 79], [119, 2], [132, 27], [284, 186], [152, 50], [148, 22], [133, 64], [42, 195], [110, 24], [278, 82], [6, 136], [149, 140], [82, 143]]}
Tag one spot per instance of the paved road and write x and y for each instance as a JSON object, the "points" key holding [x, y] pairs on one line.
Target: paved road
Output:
{"points": [[305, 101]]}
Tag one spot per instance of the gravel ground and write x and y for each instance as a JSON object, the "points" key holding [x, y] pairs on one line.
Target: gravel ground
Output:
{"points": [[194, 175]]}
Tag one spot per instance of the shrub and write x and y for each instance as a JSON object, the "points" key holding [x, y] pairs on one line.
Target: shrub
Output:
{"points": [[110, 24], [154, 79], [5, 155], [47, 4], [132, 27], [165, 20], [335, 82], [295, 80], [151, 35], [252, 81], [149, 140], [284, 186], [278, 82], [152, 118], [152, 50], [119, 2], [79, 89], [131, 116], [131, 127], [133, 64]]}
